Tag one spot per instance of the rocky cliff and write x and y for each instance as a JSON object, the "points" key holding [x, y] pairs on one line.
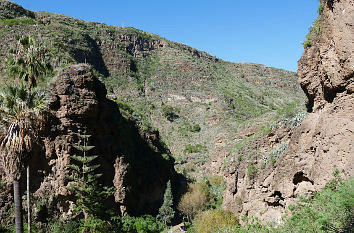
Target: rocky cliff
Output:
{"points": [[130, 161], [324, 142]]}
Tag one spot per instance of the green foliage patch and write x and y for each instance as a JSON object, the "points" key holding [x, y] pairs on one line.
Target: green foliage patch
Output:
{"points": [[14, 22], [252, 172], [194, 148]]}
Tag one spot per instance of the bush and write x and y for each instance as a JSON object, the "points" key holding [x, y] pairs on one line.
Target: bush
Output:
{"points": [[195, 128], [148, 224], [169, 112], [217, 187], [143, 224], [331, 210], [307, 43], [194, 201], [252, 172], [194, 148], [212, 220], [127, 224], [93, 225]]}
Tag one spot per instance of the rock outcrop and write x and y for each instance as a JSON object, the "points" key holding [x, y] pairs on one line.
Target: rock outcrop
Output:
{"points": [[130, 160], [326, 67], [324, 142]]}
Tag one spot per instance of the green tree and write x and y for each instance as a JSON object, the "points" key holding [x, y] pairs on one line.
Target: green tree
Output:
{"points": [[166, 212], [20, 109], [89, 193], [27, 65], [29, 61]]}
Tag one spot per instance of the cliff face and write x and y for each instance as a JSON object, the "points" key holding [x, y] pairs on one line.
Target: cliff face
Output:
{"points": [[326, 68], [324, 142], [130, 161]]}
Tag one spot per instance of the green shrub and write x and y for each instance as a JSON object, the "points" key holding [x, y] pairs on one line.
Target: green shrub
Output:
{"points": [[71, 227], [195, 128], [169, 112], [124, 106], [143, 224], [216, 189], [13, 22], [307, 43], [93, 225], [126, 224], [148, 224], [194, 148], [252, 172], [331, 210]]}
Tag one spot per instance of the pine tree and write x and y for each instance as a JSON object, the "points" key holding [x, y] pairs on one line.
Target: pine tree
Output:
{"points": [[166, 212], [89, 193]]}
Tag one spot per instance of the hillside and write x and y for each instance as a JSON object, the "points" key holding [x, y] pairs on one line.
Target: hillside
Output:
{"points": [[151, 77], [207, 113]]}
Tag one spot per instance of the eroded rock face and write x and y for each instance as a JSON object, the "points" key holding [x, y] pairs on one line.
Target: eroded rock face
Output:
{"points": [[327, 67], [324, 142], [130, 160]]}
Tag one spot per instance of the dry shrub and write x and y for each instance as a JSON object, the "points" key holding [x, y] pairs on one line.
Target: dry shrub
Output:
{"points": [[211, 220], [193, 201]]}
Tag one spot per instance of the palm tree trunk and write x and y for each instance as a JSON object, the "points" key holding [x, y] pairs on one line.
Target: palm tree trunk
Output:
{"points": [[28, 201], [18, 207]]}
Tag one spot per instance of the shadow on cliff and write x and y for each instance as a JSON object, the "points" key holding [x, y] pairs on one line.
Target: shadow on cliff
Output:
{"points": [[136, 162], [148, 162], [91, 56]]}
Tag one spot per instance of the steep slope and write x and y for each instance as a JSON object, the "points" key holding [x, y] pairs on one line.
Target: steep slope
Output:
{"points": [[152, 78], [323, 144], [207, 111]]}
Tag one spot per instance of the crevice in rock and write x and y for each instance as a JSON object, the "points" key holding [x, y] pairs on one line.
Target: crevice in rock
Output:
{"points": [[300, 177], [330, 4], [310, 99], [329, 93], [277, 194], [275, 199]]}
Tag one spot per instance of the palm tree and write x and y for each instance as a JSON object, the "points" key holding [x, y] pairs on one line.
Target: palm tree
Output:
{"points": [[28, 64], [20, 109], [28, 61]]}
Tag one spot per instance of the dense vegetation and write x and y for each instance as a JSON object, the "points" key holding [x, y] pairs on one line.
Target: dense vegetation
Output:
{"points": [[331, 210]]}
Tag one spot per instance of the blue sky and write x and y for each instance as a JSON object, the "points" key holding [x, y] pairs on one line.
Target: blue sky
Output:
{"points": [[267, 32]]}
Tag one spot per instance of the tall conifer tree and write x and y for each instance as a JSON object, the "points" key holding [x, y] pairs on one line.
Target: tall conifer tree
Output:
{"points": [[166, 212], [90, 194]]}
